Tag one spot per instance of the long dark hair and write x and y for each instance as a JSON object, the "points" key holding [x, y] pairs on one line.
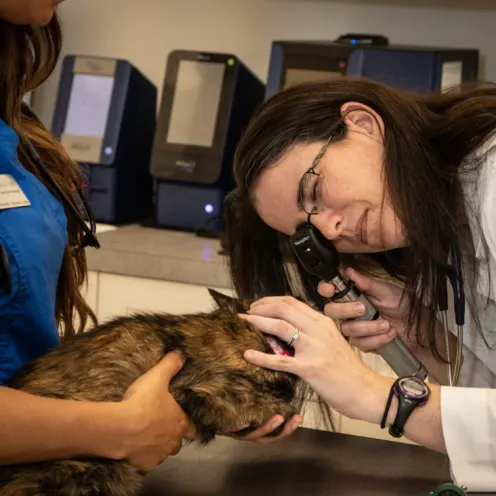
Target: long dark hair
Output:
{"points": [[28, 55], [427, 144]]}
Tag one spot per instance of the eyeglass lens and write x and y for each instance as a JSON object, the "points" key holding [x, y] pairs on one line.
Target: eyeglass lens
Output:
{"points": [[309, 192]]}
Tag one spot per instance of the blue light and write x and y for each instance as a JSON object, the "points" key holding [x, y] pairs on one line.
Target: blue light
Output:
{"points": [[353, 42], [209, 208]]}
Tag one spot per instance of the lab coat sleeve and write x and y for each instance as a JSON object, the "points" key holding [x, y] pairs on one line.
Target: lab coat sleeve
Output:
{"points": [[468, 417]]}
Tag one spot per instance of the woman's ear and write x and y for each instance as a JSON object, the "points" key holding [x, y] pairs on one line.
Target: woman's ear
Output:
{"points": [[361, 118]]}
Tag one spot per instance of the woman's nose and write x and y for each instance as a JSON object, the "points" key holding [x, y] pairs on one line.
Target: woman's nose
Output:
{"points": [[330, 224]]}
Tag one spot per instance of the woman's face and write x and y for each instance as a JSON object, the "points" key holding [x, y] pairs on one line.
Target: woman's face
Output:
{"points": [[353, 208], [28, 12]]}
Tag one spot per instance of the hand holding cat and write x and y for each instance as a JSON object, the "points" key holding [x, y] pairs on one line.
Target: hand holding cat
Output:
{"points": [[322, 357], [157, 422], [258, 435]]}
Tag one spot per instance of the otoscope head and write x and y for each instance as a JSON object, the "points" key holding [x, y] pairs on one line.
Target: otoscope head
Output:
{"points": [[316, 253]]}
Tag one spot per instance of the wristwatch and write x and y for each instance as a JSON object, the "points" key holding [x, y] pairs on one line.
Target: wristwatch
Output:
{"points": [[412, 392]]}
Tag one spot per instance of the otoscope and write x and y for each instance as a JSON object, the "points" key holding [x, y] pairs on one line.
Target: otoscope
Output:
{"points": [[319, 257]]}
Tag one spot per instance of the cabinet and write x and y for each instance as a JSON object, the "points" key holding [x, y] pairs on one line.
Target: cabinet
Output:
{"points": [[113, 295]]}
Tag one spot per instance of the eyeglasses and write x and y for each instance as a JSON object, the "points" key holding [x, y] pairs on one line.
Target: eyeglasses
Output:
{"points": [[309, 199]]}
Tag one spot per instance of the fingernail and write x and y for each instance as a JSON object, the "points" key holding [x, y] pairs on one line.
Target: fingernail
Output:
{"points": [[249, 354], [276, 423], [384, 326], [359, 307]]}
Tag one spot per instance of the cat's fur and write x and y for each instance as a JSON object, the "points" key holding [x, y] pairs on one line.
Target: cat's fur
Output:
{"points": [[216, 388]]}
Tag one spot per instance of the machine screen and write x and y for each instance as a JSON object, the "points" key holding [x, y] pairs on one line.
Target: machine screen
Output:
{"points": [[297, 76], [196, 101], [89, 105]]}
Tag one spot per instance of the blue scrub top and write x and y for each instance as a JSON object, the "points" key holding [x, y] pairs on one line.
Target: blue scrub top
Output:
{"points": [[34, 238]]}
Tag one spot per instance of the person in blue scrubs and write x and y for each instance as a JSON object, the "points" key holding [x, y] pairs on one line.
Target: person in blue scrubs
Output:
{"points": [[41, 276]]}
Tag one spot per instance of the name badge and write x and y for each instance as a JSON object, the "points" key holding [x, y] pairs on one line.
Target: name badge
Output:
{"points": [[11, 195]]}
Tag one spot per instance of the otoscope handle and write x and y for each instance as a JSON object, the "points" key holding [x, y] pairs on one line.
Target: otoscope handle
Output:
{"points": [[401, 359], [347, 291], [395, 353]]}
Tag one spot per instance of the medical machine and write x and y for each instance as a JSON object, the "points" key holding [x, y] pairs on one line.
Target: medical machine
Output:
{"points": [[418, 68], [208, 99], [105, 117]]}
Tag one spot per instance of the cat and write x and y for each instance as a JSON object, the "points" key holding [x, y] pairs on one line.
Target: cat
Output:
{"points": [[216, 388]]}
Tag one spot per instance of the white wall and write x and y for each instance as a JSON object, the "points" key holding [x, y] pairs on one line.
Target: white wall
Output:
{"points": [[144, 31]]}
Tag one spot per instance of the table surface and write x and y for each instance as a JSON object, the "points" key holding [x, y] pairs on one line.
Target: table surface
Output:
{"points": [[168, 255], [309, 463]]}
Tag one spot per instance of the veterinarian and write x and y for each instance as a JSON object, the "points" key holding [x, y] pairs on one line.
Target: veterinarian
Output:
{"points": [[393, 180]]}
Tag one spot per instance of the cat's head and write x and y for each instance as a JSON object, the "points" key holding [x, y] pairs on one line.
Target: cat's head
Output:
{"points": [[227, 388]]}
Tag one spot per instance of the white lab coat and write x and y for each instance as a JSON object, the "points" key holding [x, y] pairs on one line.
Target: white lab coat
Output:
{"points": [[468, 414]]}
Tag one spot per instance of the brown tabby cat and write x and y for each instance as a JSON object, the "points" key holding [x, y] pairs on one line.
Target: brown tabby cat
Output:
{"points": [[217, 388]]}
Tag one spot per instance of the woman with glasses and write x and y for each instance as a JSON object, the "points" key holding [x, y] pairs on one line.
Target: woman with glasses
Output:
{"points": [[396, 181]]}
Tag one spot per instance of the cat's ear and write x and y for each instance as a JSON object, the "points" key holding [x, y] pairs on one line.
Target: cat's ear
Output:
{"points": [[224, 301]]}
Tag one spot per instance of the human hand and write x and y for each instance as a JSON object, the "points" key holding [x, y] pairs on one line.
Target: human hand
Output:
{"points": [[323, 358], [157, 423], [257, 436], [387, 299]]}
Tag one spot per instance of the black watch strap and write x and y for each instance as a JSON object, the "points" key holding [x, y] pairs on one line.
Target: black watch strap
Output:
{"points": [[407, 402], [405, 409]]}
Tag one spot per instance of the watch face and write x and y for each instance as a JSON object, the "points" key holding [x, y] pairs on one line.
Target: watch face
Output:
{"points": [[413, 387]]}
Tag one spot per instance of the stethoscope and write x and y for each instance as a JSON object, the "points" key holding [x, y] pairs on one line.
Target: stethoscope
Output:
{"points": [[455, 277], [448, 490], [78, 213]]}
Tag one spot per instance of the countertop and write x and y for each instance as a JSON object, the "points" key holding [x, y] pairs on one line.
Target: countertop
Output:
{"points": [[159, 254], [308, 463]]}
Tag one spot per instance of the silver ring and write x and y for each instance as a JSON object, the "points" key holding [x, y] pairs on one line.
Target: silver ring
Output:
{"points": [[294, 337]]}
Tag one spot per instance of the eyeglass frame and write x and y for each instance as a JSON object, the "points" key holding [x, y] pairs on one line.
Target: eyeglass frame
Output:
{"points": [[311, 171]]}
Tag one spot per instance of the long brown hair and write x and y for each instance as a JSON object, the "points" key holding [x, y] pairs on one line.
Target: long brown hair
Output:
{"points": [[428, 140], [28, 55]]}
